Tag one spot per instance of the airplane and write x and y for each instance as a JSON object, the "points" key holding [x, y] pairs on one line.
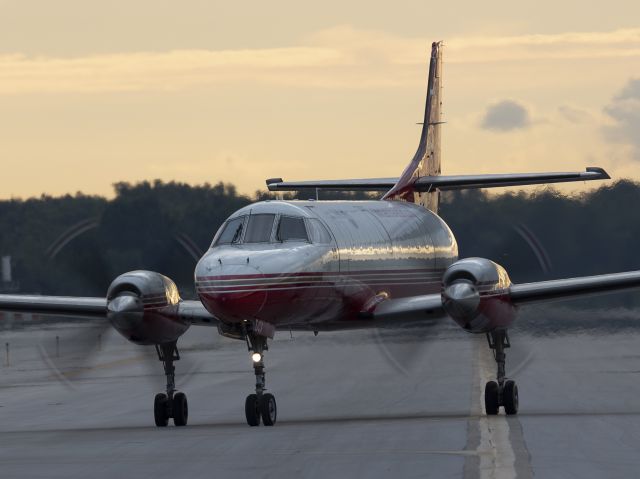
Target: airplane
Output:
{"points": [[334, 265]]}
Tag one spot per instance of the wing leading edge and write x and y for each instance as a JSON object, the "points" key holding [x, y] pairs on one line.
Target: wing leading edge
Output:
{"points": [[67, 306], [92, 308], [559, 289], [520, 294], [418, 307]]}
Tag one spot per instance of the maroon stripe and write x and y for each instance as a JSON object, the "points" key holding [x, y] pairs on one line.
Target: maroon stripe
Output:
{"points": [[240, 287], [155, 304], [320, 273]]}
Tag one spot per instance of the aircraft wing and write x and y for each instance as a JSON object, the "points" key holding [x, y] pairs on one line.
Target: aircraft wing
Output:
{"points": [[196, 313], [416, 307], [430, 305], [559, 289], [91, 308], [67, 306], [429, 183]]}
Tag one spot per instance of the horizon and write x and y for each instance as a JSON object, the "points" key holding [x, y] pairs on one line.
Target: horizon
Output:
{"points": [[114, 92], [528, 191]]}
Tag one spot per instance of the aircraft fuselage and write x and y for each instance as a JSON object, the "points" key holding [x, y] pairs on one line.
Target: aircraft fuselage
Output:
{"points": [[355, 254]]}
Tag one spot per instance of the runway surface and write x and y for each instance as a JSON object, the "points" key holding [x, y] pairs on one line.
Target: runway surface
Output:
{"points": [[356, 404]]}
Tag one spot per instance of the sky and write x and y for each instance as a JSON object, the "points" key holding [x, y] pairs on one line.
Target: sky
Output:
{"points": [[92, 93]]}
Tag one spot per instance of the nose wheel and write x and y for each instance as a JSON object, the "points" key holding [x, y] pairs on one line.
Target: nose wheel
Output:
{"points": [[502, 392], [170, 404], [260, 406]]}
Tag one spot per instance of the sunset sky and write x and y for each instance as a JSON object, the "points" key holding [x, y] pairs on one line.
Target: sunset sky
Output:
{"points": [[201, 91]]}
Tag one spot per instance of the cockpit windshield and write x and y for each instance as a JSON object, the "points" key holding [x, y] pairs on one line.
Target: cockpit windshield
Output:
{"points": [[231, 232], [291, 229], [259, 228]]}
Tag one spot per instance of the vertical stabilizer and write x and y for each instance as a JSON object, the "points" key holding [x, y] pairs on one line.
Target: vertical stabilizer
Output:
{"points": [[426, 161]]}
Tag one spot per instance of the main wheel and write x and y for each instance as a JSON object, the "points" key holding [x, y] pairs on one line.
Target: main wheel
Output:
{"points": [[491, 398], [251, 410], [180, 409], [510, 398], [268, 409], [160, 412]]}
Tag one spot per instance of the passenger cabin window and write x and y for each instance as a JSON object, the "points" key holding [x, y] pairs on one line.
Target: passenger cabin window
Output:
{"points": [[259, 228], [319, 233], [291, 229], [231, 231]]}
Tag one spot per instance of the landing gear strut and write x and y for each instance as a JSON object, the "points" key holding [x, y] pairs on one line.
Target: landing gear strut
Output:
{"points": [[503, 392], [260, 405], [171, 404]]}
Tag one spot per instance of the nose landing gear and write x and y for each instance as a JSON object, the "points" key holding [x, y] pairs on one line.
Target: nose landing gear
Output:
{"points": [[170, 404], [503, 392], [261, 405]]}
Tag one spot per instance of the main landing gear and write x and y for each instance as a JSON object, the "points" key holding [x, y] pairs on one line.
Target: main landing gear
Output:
{"points": [[170, 404], [504, 392], [260, 405]]}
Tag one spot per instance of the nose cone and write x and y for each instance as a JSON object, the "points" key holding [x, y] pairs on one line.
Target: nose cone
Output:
{"points": [[461, 300], [234, 292]]}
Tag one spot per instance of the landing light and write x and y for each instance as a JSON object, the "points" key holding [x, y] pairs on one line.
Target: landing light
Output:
{"points": [[256, 357]]}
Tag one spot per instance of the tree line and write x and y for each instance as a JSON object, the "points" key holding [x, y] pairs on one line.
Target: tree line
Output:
{"points": [[76, 244]]}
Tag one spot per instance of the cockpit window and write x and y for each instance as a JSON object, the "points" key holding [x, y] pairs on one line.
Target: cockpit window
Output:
{"points": [[259, 228], [291, 229], [319, 233], [231, 231]]}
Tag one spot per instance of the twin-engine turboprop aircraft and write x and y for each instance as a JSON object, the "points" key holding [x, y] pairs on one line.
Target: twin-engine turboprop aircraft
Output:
{"points": [[333, 265]]}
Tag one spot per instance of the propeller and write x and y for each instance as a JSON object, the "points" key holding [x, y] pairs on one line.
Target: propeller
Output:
{"points": [[70, 349], [405, 347]]}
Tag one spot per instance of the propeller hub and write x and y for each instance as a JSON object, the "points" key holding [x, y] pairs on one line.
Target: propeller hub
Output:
{"points": [[461, 299], [124, 304], [125, 311]]}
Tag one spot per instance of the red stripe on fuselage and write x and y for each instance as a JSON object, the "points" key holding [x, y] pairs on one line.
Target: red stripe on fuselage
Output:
{"points": [[372, 272], [328, 296]]}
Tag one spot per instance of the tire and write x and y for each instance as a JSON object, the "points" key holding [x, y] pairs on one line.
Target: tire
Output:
{"points": [[268, 409], [491, 398], [180, 409], [160, 412], [510, 398], [251, 410]]}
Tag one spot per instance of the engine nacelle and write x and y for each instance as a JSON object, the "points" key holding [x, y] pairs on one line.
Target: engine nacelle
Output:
{"points": [[143, 307], [475, 293]]}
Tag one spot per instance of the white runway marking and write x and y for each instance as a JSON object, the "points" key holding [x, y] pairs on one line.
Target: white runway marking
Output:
{"points": [[497, 459]]}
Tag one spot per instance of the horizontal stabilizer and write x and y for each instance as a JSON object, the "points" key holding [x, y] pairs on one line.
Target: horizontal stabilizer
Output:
{"points": [[460, 182], [371, 184], [429, 183]]}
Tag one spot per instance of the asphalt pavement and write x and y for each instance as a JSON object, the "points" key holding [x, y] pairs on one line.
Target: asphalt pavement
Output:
{"points": [[351, 404]]}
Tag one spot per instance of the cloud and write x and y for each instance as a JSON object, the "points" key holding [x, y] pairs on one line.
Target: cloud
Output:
{"points": [[506, 115], [156, 70], [631, 91], [573, 114], [339, 57], [624, 109]]}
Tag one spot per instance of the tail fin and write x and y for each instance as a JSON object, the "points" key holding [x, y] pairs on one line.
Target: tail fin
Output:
{"points": [[426, 161], [421, 180]]}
